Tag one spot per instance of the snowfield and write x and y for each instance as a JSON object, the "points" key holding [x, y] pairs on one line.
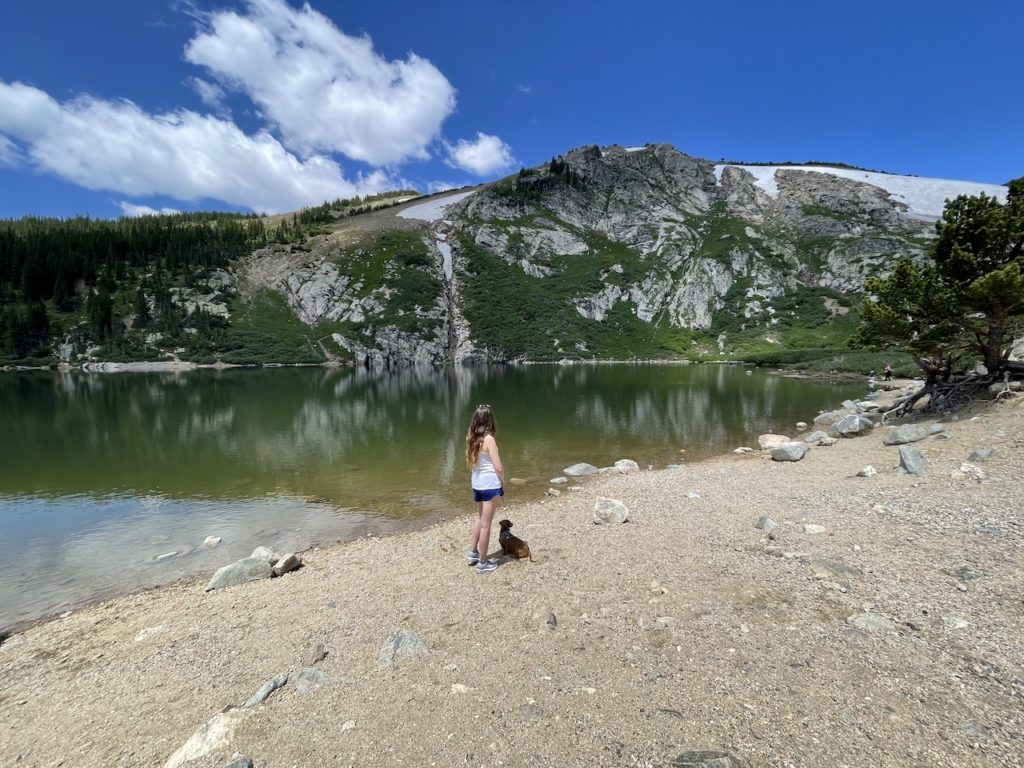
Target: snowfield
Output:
{"points": [[433, 209], [925, 197]]}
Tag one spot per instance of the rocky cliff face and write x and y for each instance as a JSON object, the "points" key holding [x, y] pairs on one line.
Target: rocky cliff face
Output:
{"points": [[616, 252]]}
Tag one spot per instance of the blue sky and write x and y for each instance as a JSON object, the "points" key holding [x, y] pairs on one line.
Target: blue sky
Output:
{"points": [[120, 108]]}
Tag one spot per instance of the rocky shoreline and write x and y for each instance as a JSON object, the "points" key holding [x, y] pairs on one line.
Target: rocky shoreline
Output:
{"points": [[751, 612]]}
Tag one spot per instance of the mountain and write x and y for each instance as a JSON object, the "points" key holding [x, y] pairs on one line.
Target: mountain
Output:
{"points": [[623, 253], [613, 253]]}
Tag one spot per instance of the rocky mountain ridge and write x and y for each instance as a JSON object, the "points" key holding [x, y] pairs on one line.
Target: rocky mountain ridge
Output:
{"points": [[687, 256], [603, 253]]}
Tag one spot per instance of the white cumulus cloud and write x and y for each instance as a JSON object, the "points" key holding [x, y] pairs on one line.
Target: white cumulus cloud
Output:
{"points": [[488, 154], [115, 145], [324, 90]]}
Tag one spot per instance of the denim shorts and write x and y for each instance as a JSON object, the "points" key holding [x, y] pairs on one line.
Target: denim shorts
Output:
{"points": [[488, 494]]}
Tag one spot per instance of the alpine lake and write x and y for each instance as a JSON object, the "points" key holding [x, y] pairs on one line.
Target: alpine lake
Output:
{"points": [[110, 482]]}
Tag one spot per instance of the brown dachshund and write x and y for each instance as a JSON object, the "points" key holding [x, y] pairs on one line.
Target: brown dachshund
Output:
{"points": [[512, 545]]}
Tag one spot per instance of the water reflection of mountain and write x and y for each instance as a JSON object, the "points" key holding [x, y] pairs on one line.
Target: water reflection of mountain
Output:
{"points": [[355, 437]]}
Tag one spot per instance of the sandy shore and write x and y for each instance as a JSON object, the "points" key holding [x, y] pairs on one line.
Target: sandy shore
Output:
{"points": [[684, 629]]}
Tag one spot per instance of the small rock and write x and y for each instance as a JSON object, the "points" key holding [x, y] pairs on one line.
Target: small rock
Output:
{"points": [[289, 562], [705, 759], [792, 451], [914, 625], [551, 622], [968, 471], [626, 465], [309, 679], [145, 634], [459, 688], [868, 471], [768, 441], [314, 654], [348, 725], [559, 480], [826, 568], [912, 461], [210, 542], [580, 470], [801, 425], [743, 449], [871, 622], [166, 556], [215, 733], [403, 644], [813, 530], [816, 437], [517, 480], [610, 511], [966, 573], [240, 762], [532, 711], [981, 454], [955, 622], [765, 523], [552, 492], [265, 690], [693, 494], [827, 442], [976, 731]]}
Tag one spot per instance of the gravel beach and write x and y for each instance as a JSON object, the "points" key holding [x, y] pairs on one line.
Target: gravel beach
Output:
{"points": [[879, 623]]}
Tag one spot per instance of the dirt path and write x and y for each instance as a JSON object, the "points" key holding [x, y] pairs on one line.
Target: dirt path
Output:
{"points": [[684, 629]]}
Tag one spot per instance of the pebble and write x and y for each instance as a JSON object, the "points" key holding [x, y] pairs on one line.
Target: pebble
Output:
{"points": [[813, 530], [868, 471], [552, 492], [559, 480]]}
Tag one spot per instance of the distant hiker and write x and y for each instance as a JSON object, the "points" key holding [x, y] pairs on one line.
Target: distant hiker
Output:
{"points": [[888, 372], [488, 482]]}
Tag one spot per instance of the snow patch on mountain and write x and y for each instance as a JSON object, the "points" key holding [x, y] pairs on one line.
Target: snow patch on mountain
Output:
{"points": [[925, 197], [432, 210]]}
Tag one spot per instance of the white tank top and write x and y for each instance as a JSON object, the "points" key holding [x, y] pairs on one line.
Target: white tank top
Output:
{"points": [[485, 478]]}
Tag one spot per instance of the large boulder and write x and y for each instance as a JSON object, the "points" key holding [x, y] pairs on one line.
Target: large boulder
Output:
{"points": [[828, 418], [908, 433], [769, 441], [580, 470], [610, 511], [789, 452], [851, 425], [241, 571]]}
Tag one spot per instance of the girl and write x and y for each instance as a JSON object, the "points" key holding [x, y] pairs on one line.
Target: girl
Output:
{"points": [[488, 481]]}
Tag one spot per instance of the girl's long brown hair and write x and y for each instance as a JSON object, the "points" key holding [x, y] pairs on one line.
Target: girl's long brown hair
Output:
{"points": [[481, 425]]}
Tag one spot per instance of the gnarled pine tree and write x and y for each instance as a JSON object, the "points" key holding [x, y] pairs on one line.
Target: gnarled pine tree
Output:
{"points": [[966, 301]]}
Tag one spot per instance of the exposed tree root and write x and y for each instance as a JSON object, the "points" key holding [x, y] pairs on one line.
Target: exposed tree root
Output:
{"points": [[950, 395]]}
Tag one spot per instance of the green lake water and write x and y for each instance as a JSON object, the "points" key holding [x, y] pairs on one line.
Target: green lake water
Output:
{"points": [[102, 474]]}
